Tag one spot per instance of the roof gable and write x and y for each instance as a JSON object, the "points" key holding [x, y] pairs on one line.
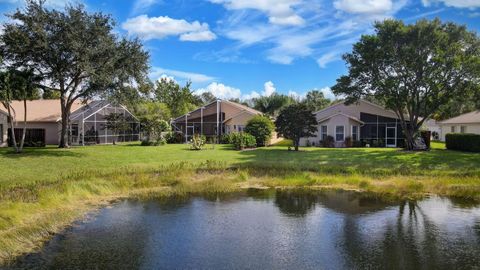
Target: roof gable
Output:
{"points": [[466, 118]]}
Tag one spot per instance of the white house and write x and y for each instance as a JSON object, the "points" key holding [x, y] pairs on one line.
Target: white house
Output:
{"points": [[362, 121], [465, 123]]}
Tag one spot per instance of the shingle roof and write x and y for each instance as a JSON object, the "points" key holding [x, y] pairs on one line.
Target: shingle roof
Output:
{"points": [[42, 110], [467, 118]]}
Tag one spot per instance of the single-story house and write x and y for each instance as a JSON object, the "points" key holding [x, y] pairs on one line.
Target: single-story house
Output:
{"points": [[363, 122], [434, 128], [465, 123], [87, 122], [214, 119], [3, 128]]}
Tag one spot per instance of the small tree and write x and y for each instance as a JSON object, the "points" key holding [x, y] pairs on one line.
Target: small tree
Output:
{"points": [[116, 122], [17, 85], [296, 121], [261, 127], [153, 116]]}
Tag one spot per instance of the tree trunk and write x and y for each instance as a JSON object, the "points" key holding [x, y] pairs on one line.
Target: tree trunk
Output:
{"points": [[22, 141], [65, 106], [12, 127], [410, 139], [296, 142]]}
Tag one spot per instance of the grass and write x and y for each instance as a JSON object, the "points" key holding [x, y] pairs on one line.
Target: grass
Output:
{"points": [[45, 189]]}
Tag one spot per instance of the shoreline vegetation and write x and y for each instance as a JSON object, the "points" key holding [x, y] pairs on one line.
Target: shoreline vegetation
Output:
{"points": [[41, 194]]}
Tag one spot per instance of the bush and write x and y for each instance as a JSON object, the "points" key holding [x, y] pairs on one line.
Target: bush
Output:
{"points": [[242, 140], [227, 138], [348, 142], [261, 127], [159, 141], [198, 141], [174, 137], [463, 142], [329, 142]]}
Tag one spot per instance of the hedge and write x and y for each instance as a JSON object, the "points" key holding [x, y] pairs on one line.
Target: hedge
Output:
{"points": [[463, 142]]}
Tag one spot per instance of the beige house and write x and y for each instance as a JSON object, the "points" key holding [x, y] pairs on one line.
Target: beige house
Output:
{"points": [[214, 119], [87, 123], [465, 123], [3, 129], [362, 122]]}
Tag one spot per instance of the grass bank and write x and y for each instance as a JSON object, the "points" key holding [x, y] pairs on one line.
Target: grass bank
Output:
{"points": [[45, 189]]}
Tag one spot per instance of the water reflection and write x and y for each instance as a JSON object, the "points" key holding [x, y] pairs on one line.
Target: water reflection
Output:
{"points": [[284, 229]]}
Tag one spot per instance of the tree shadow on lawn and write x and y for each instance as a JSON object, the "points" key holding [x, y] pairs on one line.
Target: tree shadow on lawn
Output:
{"points": [[365, 159], [40, 152]]}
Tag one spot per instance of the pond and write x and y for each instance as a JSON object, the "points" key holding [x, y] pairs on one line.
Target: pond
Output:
{"points": [[270, 230]]}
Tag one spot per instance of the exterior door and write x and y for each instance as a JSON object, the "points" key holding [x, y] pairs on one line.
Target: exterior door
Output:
{"points": [[391, 137]]}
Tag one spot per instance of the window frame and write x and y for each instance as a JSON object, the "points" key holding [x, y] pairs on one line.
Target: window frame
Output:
{"points": [[321, 132], [343, 133], [463, 129], [453, 129], [357, 134]]}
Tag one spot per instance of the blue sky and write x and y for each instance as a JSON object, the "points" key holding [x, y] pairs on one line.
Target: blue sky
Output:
{"points": [[247, 48]]}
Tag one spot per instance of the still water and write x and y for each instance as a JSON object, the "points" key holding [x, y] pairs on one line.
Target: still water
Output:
{"points": [[271, 230]]}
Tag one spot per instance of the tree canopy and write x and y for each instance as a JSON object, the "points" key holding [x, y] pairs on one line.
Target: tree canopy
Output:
{"points": [[413, 69], [315, 100], [296, 121], [77, 53], [271, 105], [178, 99]]}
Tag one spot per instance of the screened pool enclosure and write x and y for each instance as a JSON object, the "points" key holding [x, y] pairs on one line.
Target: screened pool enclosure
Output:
{"points": [[88, 124]]}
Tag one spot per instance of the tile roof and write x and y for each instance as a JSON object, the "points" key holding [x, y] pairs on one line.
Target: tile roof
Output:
{"points": [[42, 110], [467, 118]]}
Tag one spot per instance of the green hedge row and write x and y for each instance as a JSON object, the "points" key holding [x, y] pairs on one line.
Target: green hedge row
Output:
{"points": [[463, 142]]}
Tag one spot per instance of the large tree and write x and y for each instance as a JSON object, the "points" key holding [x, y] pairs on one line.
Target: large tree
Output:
{"points": [[315, 100], [77, 54], [179, 99], [295, 122], [413, 69]]}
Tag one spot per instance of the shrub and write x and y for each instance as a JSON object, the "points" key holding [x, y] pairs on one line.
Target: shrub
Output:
{"points": [[159, 141], [227, 138], [329, 142], [242, 140], [174, 137], [261, 127], [348, 142], [463, 142], [198, 141]]}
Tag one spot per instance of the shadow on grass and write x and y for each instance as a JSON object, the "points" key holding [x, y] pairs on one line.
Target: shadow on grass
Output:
{"points": [[365, 159], [40, 152]]}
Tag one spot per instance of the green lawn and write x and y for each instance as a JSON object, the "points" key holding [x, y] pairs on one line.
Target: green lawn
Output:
{"points": [[50, 164], [45, 189]]}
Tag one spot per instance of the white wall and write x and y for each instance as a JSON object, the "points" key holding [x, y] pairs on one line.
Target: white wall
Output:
{"points": [[332, 123], [447, 128], [4, 132]]}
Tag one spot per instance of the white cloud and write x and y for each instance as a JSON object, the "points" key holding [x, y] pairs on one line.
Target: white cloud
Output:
{"points": [[328, 58], [158, 72], [364, 7], [160, 27], [280, 12], [454, 3], [143, 5], [269, 88], [220, 90]]}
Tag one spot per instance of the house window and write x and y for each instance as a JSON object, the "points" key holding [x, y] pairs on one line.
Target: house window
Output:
{"points": [[240, 128], [339, 133], [452, 129], [355, 133], [323, 130], [463, 129]]}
